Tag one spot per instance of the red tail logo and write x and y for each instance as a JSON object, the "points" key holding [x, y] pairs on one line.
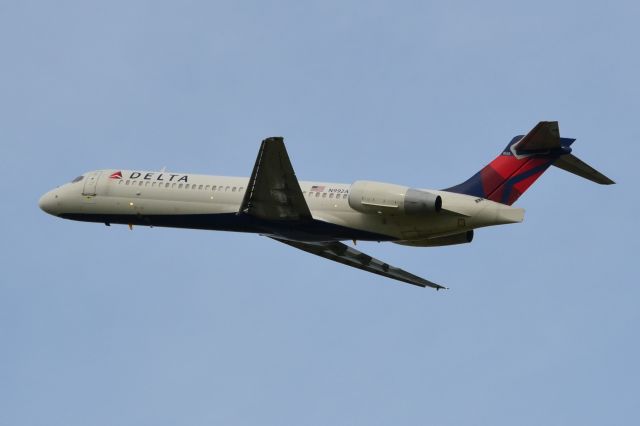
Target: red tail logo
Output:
{"points": [[116, 175]]}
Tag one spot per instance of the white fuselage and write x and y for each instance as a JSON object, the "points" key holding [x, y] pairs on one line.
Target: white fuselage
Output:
{"points": [[212, 202]]}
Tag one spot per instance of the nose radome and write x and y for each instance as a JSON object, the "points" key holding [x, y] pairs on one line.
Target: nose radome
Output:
{"points": [[48, 203]]}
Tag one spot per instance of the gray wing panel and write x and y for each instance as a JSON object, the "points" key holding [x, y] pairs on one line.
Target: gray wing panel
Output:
{"points": [[574, 165], [273, 192], [341, 253]]}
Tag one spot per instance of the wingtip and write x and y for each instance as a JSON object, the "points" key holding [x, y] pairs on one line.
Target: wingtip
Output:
{"points": [[273, 139]]}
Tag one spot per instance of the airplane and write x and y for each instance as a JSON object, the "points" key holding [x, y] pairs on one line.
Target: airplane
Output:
{"points": [[317, 216]]}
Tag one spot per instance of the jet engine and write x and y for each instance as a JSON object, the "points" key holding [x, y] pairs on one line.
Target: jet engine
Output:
{"points": [[389, 199]]}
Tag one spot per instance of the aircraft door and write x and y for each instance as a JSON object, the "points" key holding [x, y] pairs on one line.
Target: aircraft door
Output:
{"points": [[90, 183]]}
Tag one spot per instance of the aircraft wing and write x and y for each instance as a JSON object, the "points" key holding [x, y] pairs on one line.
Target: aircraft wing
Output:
{"points": [[341, 253], [273, 192]]}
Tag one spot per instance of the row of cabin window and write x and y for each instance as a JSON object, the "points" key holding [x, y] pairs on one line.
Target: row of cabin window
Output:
{"points": [[216, 188], [184, 186], [324, 194]]}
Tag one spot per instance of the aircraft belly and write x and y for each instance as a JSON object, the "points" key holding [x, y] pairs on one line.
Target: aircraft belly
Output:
{"points": [[216, 216], [312, 230]]}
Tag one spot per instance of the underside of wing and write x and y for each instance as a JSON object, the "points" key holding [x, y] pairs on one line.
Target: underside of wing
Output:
{"points": [[273, 192], [341, 253]]}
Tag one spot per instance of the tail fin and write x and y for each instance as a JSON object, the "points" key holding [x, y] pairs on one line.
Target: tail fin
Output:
{"points": [[522, 162]]}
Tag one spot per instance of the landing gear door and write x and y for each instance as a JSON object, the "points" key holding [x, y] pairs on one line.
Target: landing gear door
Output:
{"points": [[90, 182]]}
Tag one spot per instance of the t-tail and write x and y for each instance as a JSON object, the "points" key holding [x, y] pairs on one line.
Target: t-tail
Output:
{"points": [[523, 161]]}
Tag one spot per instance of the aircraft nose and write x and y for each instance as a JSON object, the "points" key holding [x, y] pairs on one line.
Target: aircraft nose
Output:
{"points": [[49, 203]]}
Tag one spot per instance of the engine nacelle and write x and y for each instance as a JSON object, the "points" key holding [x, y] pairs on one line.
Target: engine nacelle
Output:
{"points": [[449, 240], [386, 198]]}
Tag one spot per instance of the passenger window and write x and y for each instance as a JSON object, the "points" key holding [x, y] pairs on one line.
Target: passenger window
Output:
{"points": [[127, 182], [180, 186], [331, 195], [120, 182], [186, 186], [200, 187], [317, 194], [344, 197], [240, 189], [146, 183], [213, 188], [220, 188], [173, 186], [194, 187], [166, 185], [140, 183], [207, 187], [227, 189], [233, 189], [324, 195]]}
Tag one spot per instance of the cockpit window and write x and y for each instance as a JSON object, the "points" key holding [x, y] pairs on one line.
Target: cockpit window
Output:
{"points": [[78, 179]]}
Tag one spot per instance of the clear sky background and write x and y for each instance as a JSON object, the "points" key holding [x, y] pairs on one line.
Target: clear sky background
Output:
{"points": [[105, 326]]}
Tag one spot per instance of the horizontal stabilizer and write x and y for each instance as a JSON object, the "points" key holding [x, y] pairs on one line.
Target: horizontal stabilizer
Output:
{"points": [[544, 136], [574, 165]]}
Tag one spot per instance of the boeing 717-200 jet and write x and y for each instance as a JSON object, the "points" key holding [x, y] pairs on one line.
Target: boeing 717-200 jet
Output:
{"points": [[317, 216]]}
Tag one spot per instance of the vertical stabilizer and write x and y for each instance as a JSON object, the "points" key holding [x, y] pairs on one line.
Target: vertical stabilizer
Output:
{"points": [[522, 162]]}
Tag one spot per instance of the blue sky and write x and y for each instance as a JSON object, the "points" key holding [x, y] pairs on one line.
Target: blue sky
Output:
{"points": [[103, 326]]}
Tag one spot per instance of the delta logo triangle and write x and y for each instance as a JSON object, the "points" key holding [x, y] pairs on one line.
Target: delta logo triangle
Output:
{"points": [[116, 175]]}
